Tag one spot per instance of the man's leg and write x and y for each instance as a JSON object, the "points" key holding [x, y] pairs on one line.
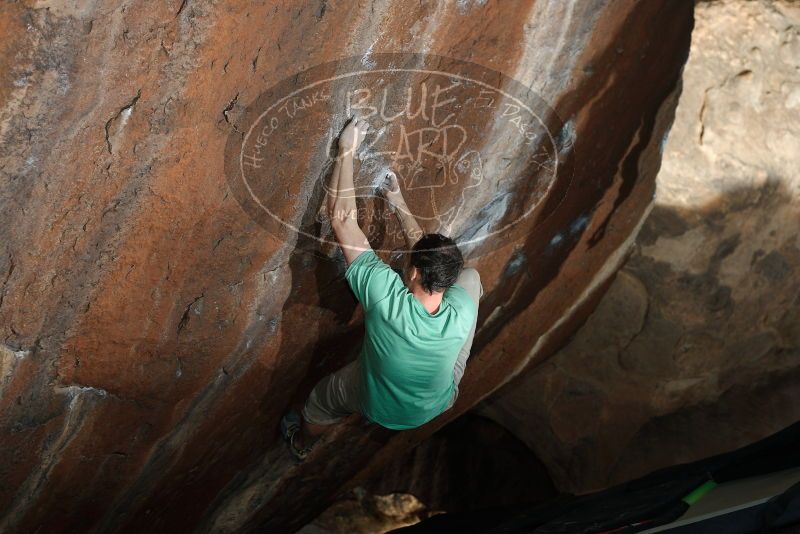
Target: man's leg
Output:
{"points": [[470, 280], [333, 398]]}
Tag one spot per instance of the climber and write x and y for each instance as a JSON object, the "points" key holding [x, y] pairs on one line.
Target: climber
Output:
{"points": [[419, 326]]}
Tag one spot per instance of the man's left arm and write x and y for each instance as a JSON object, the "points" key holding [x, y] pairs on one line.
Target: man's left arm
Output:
{"points": [[369, 277], [342, 209]]}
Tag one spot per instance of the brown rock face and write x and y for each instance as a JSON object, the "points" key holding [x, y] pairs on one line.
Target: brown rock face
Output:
{"points": [[154, 331], [694, 350]]}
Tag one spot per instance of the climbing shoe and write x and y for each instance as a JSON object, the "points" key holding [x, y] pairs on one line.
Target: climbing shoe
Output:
{"points": [[290, 426]]}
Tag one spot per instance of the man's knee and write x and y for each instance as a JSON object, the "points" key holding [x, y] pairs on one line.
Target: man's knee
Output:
{"points": [[334, 397], [316, 412]]}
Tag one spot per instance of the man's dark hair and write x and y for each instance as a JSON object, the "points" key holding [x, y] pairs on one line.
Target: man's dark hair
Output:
{"points": [[438, 261]]}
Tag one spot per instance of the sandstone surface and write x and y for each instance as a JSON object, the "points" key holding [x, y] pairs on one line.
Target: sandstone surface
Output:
{"points": [[154, 332]]}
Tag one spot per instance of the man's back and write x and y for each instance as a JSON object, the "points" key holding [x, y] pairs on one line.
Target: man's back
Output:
{"points": [[408, 354]]}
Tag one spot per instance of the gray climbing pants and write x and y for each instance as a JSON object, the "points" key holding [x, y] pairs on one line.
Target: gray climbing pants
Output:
{"points": [[336, 395]]}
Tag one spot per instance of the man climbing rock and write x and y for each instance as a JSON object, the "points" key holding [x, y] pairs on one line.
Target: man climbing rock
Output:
{"points": [[419, 326]]}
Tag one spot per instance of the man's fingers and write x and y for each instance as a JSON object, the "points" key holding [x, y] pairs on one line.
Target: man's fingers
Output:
{"points": [[354, 132], [393, 183], [390, 183], [361, 127]]}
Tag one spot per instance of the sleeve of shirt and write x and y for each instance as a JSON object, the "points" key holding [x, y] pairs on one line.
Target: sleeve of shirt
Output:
{"points": [[371, 279]]}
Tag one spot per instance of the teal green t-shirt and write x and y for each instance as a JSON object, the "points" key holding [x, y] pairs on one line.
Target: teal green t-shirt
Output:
{"points": [[408, 354]]}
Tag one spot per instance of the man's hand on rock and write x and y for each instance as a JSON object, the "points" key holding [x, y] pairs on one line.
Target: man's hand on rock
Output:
{"points": [[391, 191], [352, 135]]}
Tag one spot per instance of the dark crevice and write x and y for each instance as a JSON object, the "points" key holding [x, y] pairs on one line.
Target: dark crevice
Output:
{"points": [[116, 116], [185, 317], [229, 107]]}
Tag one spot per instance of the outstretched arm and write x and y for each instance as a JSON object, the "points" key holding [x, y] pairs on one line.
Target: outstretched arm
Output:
{"points": [[411, 228], [342, 209]]}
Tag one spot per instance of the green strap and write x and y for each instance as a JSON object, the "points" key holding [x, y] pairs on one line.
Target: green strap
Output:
{"points": [[699, 492]]}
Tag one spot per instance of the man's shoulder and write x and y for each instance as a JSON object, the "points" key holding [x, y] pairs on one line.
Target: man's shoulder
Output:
{"points": [[372, 280], [366, 257], [366, 266]]}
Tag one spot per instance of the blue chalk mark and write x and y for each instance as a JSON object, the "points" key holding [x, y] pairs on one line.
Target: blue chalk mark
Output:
{"points": [[579, 224], [272, 325], [516, 263], [566, 137]]}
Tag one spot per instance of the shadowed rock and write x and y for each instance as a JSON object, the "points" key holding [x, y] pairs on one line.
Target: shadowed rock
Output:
{"points": [[694, 350]]}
